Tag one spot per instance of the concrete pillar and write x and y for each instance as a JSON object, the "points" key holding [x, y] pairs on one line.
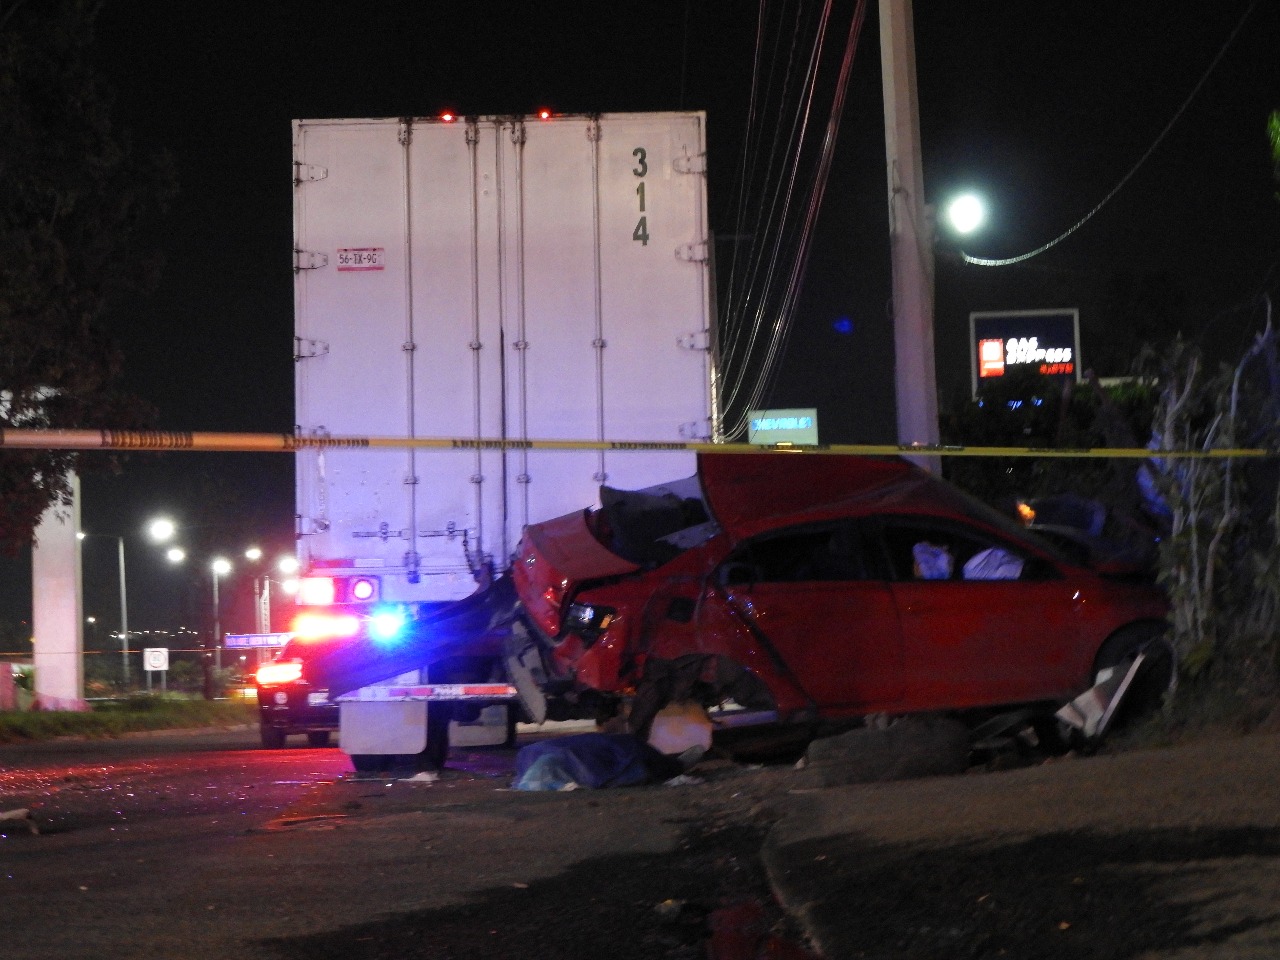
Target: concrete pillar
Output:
{"points": [[57, 608]]}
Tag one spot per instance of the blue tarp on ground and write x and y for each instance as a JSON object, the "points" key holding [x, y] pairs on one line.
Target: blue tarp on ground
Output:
{"points": [[591, 760]]}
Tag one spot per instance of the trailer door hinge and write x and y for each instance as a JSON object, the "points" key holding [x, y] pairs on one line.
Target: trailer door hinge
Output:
{"points": [[305, 349], [695, 430], [695, 163], [307, 173], [309, 260], [701, 340], [693, 252]]}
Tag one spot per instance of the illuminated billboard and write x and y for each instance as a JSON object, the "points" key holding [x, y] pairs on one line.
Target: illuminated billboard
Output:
{"points": [[1047, 341], [783, 426]]}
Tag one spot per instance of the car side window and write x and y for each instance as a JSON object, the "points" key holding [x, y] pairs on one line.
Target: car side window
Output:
{"points": [[924, 551], [831, 552]]}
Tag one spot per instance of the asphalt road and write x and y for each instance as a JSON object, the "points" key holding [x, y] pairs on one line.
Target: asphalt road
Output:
{"points": [[204, 846], [207, 847]]}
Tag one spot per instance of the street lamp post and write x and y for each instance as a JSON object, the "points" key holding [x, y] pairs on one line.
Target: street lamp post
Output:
{"points": [[124, 616], [124, 603], [262, 590], [220, 567]]}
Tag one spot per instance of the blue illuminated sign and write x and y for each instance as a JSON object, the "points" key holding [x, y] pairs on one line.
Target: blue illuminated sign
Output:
{"points": [[250, 641], [783, 426]]}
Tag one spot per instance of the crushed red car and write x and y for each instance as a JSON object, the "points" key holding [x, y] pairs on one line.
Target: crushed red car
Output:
{"points": [[817, 590]]}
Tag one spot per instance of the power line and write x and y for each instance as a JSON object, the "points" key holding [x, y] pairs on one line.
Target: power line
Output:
{"points": [[1008, 261]]}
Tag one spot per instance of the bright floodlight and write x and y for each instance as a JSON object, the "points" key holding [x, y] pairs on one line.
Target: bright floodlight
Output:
{"points": [[175, 554], [966, 213], [287, 565], [221, 566], [254, 554], [161, 529]]}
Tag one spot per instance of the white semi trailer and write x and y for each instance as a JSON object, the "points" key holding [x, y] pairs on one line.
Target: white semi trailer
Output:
{"points": [[512, 278]]}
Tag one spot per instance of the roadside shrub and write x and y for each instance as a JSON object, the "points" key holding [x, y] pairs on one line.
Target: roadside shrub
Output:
{"points": [[136, 713], [1219, 557], [1217, 518]]}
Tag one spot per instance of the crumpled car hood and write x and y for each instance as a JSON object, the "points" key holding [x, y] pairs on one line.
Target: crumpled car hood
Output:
{"points": [[747, 493]]}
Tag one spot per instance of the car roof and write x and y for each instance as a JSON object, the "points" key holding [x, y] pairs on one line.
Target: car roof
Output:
{"points": [[751, 492]]}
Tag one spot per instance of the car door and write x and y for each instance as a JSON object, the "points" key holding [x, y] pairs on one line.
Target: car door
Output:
{"points": [[1001, 626], [820, 603]]}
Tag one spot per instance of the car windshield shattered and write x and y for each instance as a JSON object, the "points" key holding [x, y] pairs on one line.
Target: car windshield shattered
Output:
{"points": [[655, 525]]}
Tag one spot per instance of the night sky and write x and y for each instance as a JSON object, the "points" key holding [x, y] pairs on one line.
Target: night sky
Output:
{"points": [[1044, 106]]}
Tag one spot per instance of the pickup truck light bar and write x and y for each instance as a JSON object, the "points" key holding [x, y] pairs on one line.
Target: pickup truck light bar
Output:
{"points": [[495, 692]]}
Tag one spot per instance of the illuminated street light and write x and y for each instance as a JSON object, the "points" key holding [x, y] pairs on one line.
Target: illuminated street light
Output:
{"points": [[966, 213], [219, 567], [161, 529]]}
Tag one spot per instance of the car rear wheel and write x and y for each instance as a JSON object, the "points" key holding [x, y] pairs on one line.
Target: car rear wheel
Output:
{"points": [[318, 738], [272, 737]]}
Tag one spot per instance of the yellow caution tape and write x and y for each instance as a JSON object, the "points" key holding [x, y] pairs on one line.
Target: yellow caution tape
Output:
{"points": [[158, 440]]}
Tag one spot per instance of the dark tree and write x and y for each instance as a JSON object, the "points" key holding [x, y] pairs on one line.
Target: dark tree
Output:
{"points": [[74, 203]]}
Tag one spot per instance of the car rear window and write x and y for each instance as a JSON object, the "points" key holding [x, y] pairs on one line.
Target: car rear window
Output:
{"points": [[652, 526]]}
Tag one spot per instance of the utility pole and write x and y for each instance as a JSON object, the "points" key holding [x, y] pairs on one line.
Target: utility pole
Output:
{"points": [[124, 616], [911, 233]]}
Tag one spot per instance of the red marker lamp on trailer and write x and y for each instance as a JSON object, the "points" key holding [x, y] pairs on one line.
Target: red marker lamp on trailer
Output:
{"points": [[327, 591]]}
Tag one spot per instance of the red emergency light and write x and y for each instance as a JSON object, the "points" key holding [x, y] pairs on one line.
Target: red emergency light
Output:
{"points": [[324, 626], [273, 674]]}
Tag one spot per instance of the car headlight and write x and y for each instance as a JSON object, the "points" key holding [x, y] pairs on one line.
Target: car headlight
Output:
{"points": [[588, 618]]}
